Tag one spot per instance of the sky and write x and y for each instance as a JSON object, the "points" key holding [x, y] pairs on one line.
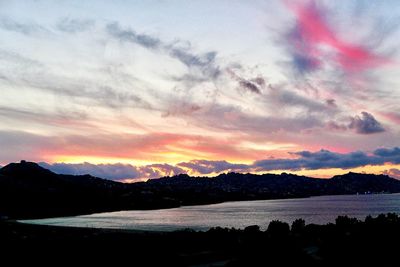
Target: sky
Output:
{"points": [[132, 90]]}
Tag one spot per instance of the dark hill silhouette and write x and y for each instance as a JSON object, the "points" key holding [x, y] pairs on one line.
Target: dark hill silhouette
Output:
{"points": [[30, 191]]}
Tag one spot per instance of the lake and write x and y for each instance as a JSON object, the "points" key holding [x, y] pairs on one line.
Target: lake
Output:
{"points": [[320, 210]]}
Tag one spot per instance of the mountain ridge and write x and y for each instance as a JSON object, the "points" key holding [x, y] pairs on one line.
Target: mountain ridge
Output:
{"points": [[28, 190]]}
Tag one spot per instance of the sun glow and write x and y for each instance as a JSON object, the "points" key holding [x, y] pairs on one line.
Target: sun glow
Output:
{"points": [[328, 173]]}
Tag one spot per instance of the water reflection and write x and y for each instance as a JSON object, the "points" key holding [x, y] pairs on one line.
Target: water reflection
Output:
{"points": [[238, 214]]}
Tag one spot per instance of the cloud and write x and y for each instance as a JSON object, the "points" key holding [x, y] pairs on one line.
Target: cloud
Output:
{"points": [[280, 95], [304, 59], [326, 159], [366, 124], [117, 171], [17, 145], [108, 171], [318, 160], [204, 62], [331, 103], [233, 119], [73, 25], [252, 85], [100, 78], [158, 170], [312, 31], [57, 118], [111, 93], [190, 59], [289, 98], [332, 125], [131, 36], [323, 159], [307, 160], [390, 153], [9, 24], [392, 116], [209, 166]]}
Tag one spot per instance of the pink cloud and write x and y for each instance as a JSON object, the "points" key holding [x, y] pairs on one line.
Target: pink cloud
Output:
{"points": [[392, 116], [312, 31]]}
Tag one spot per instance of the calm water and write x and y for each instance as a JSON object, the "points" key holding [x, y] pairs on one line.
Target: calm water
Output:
{"points": [[237, 214]]}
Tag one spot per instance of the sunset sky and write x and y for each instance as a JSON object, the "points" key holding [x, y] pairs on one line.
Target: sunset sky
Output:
{"points": [[130, 90]]}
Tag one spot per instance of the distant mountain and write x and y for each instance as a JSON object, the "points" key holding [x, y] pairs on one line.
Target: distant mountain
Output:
{"points": [[30, 191]]}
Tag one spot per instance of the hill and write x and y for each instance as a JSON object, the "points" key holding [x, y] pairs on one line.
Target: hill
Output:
{"points": [[30, 191]]}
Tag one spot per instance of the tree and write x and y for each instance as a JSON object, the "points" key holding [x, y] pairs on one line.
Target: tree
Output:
{"points": [[298, 226]]}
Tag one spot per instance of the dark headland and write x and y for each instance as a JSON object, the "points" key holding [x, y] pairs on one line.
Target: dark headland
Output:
{"points": [[30, 191]]}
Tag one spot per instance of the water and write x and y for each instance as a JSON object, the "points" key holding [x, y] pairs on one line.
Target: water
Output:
{"points": [[239, 214]]}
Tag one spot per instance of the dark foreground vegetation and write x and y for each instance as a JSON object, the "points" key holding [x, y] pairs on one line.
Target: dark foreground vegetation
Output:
{"points": [[347, 242], [30, 191]]}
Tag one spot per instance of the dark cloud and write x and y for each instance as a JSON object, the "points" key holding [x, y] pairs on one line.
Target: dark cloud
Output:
{"points": [[109, 171], [303, 63], [307, 160], [278, 96], [131, 36], [392, 153], [366, 124], [9, 24], [331, 103], [176, 109], [259, 81], [252, 85], [193, 60], [326, 159], [71, 25], [289, 98], [249, 86], [204, 62], [117, 171]]}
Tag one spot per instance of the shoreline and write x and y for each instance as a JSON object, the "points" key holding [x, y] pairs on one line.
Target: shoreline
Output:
{"points": [[208, 204], [153, 226]]}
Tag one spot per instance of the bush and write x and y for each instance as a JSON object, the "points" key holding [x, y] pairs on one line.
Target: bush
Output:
{"points": [[278, 228]]}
